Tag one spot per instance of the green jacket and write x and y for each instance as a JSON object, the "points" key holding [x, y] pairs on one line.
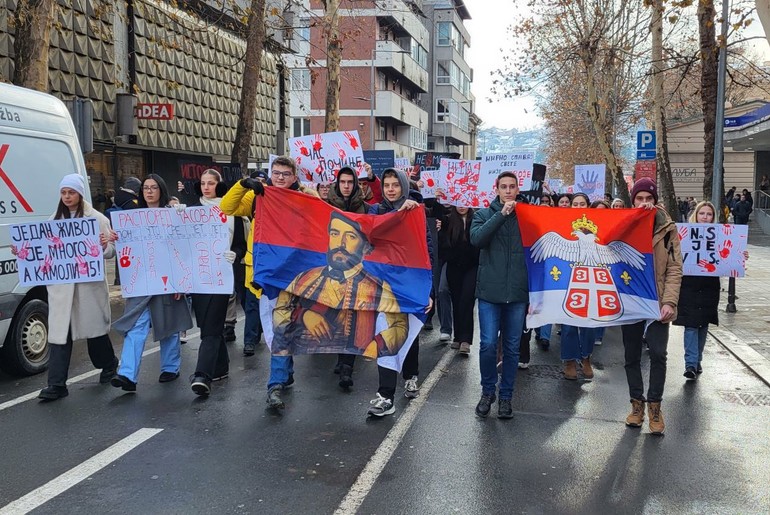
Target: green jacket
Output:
{"points": [[502, 275]]}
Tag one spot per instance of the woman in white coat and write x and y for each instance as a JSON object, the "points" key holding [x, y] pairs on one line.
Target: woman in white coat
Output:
{"points": [[82, 310]]}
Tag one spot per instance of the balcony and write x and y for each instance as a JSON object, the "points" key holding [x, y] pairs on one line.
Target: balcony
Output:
{"points": [[454, 134], [390, 55], [391, 105], [402, 20]]}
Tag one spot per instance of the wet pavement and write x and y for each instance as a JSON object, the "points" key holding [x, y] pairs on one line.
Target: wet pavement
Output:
{"points": [[565, 451]]}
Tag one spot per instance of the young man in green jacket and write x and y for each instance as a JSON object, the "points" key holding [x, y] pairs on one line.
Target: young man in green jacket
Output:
{"points": [[502, 291]]}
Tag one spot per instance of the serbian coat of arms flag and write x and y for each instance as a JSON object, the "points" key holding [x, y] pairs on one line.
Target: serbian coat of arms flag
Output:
{"points": [[337, 282], [588, 267]]}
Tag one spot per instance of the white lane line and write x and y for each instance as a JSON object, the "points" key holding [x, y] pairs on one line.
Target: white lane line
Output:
{"points": [[365, 481], [75, 475]]}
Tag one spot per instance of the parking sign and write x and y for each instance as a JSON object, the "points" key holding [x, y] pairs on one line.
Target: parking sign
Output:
{"points": [[645, 140]]}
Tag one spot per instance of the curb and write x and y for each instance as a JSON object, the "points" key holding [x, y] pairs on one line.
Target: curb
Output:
{"points": [[753, 360]]}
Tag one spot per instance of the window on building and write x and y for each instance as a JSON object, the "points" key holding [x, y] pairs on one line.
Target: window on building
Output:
{"points": [[301, 127], [419, 54], [442, 72], [303, 31], [444, 33], [442, 111], [300, 79], [382, 131], [418, 138]]}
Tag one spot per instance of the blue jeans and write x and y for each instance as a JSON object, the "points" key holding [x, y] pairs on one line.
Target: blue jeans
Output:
{"points": [[543, 333], [599, 334], [252, 327], [281, 367], [506, 320], [576, 342], [694, 342], [133, 347]]}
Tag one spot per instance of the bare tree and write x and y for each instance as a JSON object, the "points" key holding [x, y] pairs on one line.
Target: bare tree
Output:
{"points": [[333, 60], [32, 21]]}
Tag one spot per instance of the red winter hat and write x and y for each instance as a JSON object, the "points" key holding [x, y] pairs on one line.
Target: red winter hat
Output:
{"points": [[645, 184]]}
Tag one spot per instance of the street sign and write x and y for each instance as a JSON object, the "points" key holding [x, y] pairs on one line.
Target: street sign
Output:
{"points": [[647, 169], [645, 140], [645, 155]]}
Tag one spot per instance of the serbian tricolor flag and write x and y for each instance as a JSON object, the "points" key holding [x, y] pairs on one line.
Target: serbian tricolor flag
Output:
{"points": [[588, 267], [337, 282]]}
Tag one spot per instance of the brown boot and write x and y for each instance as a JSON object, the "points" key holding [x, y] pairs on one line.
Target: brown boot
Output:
{"points": [[656, 418], [636, 417], [570, 370], [588, 372]]}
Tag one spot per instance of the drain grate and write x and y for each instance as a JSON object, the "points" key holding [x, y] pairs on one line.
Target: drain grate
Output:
{"points": [[746, 399]]}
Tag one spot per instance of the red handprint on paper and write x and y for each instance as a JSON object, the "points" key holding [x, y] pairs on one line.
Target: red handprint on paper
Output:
{"points": [[302, 148], [47, 265], [308, 174], [725, 250], [93, 248], [351, 140], [319, 170], [56, 241], [341, 152], [23, 252], [706, 266], [682, 233], [317, 145], [125, 257], [430, 182], [733, 273], [218, 212], [82, 265], [727, 229]]}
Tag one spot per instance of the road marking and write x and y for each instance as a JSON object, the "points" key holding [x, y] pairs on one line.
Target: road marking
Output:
{"points": [[75, 475], [365, 481]]}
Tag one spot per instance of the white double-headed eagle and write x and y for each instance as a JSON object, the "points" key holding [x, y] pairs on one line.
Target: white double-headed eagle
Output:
{"points": [[585, 250]]}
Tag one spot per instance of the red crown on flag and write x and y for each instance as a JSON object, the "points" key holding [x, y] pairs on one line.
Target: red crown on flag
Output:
{"points": [[584, 224]]}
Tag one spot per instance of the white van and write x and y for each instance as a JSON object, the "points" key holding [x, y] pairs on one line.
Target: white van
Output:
{"points": [[38, 146]]}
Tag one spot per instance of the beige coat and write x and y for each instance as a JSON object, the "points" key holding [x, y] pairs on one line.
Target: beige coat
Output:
{"points": [[82, 307], [667, 256]]}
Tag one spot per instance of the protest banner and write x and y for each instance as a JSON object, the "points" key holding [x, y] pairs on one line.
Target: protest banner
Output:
{"points": [[379, 160], [556, 185], [58, 251], [368, 300], [429, 185], [518, 161], [588, 267], [163, 251], [535, 193], [589, 179], [427, 161], [403, 164], [460, 181], [713, 249], [320, 156]]}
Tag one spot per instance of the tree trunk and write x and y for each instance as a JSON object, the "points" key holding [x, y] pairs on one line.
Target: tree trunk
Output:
{"points": [[32, 21], [255, 40], [665, 180], [333, 59], [708, 88], [597, 112]]}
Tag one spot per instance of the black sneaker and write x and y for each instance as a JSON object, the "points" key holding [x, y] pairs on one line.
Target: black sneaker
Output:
{"points": [[201, 385], [167, 377], [220, 376], [108, 373], [699, 370], [274, 397], [504, 409], [346, 376], [249, 349], [290, 382], [126, 384], [484, 405], [544, 344], [690, 373], [52, 393], [229, 333]]}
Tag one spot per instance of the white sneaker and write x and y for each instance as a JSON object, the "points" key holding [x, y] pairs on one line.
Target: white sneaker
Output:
{"points": [[523, 366], [411, 389], [598, 342], [444, 337], [381, 407]]}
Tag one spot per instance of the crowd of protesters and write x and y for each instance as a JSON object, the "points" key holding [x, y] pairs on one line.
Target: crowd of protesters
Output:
{"points": [[479, 267]]}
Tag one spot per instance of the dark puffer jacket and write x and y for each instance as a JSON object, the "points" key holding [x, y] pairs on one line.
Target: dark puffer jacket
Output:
{"points": [[698, 301], [354, 203]]}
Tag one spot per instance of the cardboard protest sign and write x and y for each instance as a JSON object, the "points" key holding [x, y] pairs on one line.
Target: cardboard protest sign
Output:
{"points": [[403, 164], [589, 179], [535, 193], [58, 251], [519, 162], [460, 181], [379, 160], [320, 156], [164, 251], [427, 161], [429, 185], [713, 249]]}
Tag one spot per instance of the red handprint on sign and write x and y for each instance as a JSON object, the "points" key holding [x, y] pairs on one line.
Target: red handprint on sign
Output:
{"points": [[308, 175], [47, 265], [302, 148], [682, 233], [352, 140], [341, 152], [82, 265], [319, 170], [218, 212], [93, 248], [125, 258], [733, 273], [23, 252], [725, 250], [706, 266], [727, 229], [317, 145], [56, 241]]}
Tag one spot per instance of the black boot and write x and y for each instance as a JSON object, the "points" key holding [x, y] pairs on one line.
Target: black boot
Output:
{"points": [[346, 376], [52, 393]]}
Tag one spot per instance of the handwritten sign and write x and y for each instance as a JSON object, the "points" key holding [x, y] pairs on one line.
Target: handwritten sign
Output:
{"points": [[713, 249], [58, 251], [429, 185], [589, 179], [535, 194], [460, 181], [379, 160], [519, 162], [403, 164], [427, 161], [320, 156], [164, 251]]}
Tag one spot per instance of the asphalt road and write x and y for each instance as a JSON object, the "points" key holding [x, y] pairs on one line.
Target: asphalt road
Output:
{"points": [[565, 451]]}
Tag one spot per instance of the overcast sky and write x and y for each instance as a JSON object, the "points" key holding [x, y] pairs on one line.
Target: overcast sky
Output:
{"points": [[488, 30]]}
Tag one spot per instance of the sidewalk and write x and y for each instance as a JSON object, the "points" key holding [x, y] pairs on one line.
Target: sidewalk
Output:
{"points": [[746, 333]]}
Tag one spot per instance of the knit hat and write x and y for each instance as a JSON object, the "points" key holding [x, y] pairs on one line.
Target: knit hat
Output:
{"points": [[645, 184], [133, 184], [74, 181]]}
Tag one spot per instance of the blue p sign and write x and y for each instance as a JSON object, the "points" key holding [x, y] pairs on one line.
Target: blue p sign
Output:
{"points": [[645, 140]]}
